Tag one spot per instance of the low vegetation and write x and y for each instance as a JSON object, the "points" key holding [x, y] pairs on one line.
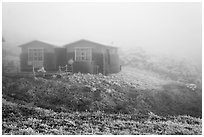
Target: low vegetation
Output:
{"points": [[26, 120], [124, 103], [169, 67]]}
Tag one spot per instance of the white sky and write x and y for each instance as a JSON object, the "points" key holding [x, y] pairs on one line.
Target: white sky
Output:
{"points": [[168, 28]]}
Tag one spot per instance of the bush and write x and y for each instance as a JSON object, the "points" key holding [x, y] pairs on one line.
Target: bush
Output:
{"points": [[112, 94]]}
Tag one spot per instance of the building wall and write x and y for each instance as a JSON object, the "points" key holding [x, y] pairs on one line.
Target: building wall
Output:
{"points": [[61, 57], [86, 67], [103, 59], [50, 61], [83, 67], [114, 62], [99, 53], [98, 58], [49, 56]]}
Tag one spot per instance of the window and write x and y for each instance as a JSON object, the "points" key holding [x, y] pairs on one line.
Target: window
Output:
{"points": [[35, 57], [83, 54]]}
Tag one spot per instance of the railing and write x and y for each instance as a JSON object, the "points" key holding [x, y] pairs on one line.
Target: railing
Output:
{"points": [[67, 68]]}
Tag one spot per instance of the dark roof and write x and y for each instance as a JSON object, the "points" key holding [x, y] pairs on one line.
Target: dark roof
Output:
{"points": [[84, 40], [37, 41], [54, 46]]}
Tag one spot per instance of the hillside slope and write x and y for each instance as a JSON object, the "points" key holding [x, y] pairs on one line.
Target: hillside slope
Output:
{"points": [[27, 120], [184, 69], [133, 96], [126, 92]]}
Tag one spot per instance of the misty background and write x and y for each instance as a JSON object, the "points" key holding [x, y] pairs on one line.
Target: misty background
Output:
{"points": [[147, 34]]}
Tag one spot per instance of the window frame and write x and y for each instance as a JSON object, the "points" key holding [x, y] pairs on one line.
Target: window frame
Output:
{"points": [[79, 57], [37, 55]]}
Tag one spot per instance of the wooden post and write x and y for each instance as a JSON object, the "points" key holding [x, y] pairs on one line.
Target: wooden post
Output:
{"points": [[60, 69], [66, 68], [33, 71], [97, 69], [104, 63]]}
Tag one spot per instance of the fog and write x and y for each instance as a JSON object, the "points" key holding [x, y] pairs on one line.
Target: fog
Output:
{"points": [[173, 29]]}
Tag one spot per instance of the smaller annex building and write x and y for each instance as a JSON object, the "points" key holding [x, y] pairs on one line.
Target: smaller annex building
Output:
{"points": [[83, 55]]}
